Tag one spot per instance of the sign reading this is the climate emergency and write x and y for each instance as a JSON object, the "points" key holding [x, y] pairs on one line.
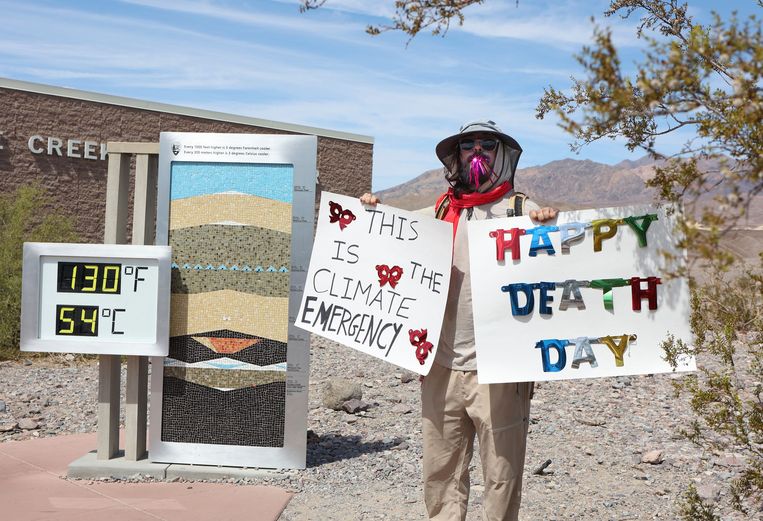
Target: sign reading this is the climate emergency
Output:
{"points": [[378, 281], [582, 297]]}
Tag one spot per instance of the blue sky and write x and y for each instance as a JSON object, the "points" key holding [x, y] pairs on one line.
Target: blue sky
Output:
{"points": [[262, 58]]}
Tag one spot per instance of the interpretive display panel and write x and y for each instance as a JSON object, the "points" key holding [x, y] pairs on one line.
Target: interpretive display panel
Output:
{"points": [[583, 297], [238, 212], [95, 298]]}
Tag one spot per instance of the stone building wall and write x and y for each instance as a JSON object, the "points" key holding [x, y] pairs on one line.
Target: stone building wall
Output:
{"points": [[76, 186]]}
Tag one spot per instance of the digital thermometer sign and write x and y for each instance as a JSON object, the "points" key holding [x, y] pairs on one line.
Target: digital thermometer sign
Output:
{"points": [[96, 298]]}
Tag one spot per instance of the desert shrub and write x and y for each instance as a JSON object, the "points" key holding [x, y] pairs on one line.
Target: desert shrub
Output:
{"points": [[24, 216]]}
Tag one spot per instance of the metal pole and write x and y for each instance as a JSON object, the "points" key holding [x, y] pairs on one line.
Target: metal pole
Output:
{"points": [[109, 366], [144, 214]]}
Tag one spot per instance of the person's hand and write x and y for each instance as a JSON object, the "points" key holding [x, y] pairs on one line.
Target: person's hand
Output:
{"points": [[544, 214], [371, 199]]}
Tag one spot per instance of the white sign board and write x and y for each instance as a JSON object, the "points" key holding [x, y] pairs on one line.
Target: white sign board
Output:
{"points": [[582, 297], [95, 298], [378, 281]]}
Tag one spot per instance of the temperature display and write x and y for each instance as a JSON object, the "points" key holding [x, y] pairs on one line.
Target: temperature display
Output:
{"points": [[77, 320], [89, 277], [95, 298]]}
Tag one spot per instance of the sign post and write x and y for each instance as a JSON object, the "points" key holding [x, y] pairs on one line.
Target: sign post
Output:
{"points": [[103, 299], [109, 370]]}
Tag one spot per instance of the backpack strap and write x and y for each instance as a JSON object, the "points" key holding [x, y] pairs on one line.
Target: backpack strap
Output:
{"points": [[516, 204], [441, 207]]}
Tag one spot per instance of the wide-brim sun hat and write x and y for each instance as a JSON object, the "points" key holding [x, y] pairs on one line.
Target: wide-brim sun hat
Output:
{"points": [[446, 148]]}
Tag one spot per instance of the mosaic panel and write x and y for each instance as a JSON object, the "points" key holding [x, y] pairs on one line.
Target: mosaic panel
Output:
{"points": [[230, 232]]}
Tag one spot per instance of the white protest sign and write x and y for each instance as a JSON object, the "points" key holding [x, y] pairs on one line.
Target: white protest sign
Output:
{"points": [[584, 296], [378, 280]]}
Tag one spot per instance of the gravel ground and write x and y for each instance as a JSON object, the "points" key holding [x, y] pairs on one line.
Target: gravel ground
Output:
{"points": [[368, 465]]}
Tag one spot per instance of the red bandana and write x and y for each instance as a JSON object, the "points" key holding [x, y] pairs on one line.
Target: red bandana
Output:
{"points": [[455, 205]]}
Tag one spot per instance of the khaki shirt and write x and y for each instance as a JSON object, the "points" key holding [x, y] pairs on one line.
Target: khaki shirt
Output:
{"points": [[456, 349]]}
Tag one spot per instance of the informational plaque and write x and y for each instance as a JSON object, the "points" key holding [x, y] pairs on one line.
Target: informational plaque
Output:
{"points": [[95, 298], [238, 212], [584, 296]]}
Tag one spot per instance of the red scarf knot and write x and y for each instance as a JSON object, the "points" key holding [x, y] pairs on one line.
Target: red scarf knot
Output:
{"points": [[470, 200]]}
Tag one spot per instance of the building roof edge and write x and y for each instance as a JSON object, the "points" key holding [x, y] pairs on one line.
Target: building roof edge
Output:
{"points": [[65, 92]]}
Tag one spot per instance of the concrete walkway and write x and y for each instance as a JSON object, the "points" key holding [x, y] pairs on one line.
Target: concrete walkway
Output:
{"points": [[32, 488]]}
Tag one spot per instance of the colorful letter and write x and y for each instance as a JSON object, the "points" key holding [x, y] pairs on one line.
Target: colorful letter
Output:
{"points": [[501, 244], [571, 233], [583, 352], [545, 298], [638, 294], [641, 228], [512, 290], [618, 349], [541, 240], [599, 235], [606, 286], [553, 343], [573, 287]]}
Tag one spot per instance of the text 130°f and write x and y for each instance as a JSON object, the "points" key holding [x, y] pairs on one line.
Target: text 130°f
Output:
{"points": [[96, 277]]}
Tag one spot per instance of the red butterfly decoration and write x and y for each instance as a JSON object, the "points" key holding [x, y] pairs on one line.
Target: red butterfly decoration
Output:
{"points": [[387, 274], [344, 217], [418, 339]]}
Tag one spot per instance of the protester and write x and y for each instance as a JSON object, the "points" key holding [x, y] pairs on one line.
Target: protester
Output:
{"points": [[480, 162]]}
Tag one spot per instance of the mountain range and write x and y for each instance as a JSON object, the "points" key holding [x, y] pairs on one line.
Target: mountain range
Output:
{"points": [[565, 184]]}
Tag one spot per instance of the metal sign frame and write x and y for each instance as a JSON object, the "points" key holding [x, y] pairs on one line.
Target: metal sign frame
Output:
{"points": [[301, 153]]}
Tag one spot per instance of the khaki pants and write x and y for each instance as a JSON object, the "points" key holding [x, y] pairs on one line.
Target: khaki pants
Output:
{"points": [[454, 408]]}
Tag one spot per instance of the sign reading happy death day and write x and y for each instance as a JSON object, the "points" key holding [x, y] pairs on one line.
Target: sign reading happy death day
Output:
{"points": [[585, 297], [378, 281]]}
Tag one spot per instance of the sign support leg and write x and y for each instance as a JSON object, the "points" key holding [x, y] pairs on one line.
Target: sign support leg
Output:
{"points": [[109, 381], [144, 215], [135, 411], [109, 366]]}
